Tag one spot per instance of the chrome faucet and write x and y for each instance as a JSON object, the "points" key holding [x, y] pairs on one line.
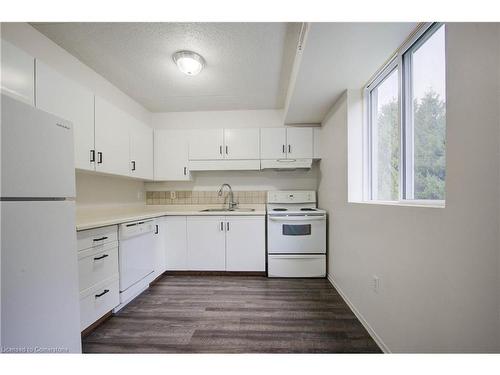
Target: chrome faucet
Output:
{"points": [[231, 204]]}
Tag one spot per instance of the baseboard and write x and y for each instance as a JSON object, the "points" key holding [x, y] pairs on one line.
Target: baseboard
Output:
{"points": [[214, 273], [360, 317]]}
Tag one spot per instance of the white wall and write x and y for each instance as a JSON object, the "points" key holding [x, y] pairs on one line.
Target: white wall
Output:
{"points": [[98, 190], [218, 119], [39, 46], [438, 267]]}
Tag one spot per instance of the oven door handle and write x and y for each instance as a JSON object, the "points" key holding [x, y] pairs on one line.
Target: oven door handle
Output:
{"points": [[297, 218]]}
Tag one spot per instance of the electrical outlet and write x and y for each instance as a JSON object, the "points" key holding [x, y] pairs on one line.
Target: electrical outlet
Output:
{"points": [[375, 283], [172, 195]]}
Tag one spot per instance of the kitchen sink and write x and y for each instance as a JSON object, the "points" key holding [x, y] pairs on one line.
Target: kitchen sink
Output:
{"points": [[228, 210]]}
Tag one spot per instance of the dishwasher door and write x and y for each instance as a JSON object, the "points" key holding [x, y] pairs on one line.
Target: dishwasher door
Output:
{"points": [[136, 259]]}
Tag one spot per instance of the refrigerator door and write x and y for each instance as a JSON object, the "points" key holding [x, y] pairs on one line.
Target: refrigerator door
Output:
{"points": [[37, 153], [39, 277]]}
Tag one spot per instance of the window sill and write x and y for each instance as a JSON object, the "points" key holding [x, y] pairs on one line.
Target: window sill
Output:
{"points": [[408, 203]]}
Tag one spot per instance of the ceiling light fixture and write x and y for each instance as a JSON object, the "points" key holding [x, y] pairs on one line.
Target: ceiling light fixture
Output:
{"points": [[189, 62]]}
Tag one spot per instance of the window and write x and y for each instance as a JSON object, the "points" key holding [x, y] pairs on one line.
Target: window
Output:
{"points": [[406, 122]]}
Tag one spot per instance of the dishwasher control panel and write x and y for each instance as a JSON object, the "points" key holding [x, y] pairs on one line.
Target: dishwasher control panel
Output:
{"points": [[136, 228]]}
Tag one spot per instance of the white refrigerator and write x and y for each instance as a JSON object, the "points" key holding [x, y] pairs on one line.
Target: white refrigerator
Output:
{"points": [[39, 271]]}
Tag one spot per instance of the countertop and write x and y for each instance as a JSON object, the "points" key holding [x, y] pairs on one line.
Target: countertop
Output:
{"points": [[95, 217]]}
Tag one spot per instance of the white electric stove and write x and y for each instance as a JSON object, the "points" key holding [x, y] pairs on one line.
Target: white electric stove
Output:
{"points": [[296, 235]]}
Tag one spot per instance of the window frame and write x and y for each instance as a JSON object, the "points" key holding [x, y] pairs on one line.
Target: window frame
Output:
{"points": [[402, 61]]}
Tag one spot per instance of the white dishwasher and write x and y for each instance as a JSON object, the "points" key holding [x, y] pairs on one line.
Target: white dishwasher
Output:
{"points": [[136, 259]]}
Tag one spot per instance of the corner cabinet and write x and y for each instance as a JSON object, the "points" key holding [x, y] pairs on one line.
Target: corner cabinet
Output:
{"points": [[141, 150], [64, 98], [171, 148], [123, 145]]}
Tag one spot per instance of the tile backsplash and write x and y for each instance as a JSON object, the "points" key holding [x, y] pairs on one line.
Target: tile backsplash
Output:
{"points": [[204, 197]]}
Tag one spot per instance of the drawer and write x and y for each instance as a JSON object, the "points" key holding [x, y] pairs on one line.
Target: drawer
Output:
{"points": [[98, 300], [296, 265], [97, 265], [94, 238]]}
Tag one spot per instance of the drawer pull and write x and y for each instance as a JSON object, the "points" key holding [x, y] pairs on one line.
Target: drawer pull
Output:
{"points": [[101, 257], [101, 294], [100, 239]]}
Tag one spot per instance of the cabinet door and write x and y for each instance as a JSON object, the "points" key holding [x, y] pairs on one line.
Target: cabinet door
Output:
{"points": [[206, 243], [160, 237], [272, 143], [112, 128], [17, 73], [176, 243], [245, 243], [64, 98], [141, 150], [242, 144], [299, 143], [171, 155], [206, 144], [317, 143]]}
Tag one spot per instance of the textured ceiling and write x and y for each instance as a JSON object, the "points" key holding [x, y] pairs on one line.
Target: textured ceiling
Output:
{"points": [[339, 56], [248, 64]]}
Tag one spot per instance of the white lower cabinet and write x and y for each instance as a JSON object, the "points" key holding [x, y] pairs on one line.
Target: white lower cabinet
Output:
{"points": [[176, 243], [98, 300], [97, 273], [245, 243], [225, 243], [206, 243], [159, 241]]}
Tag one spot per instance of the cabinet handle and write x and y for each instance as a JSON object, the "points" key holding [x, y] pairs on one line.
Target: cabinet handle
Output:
{"points": [[99, 158], [221, 226], [102, 257], [283, 149], [185, 171], [100, 239], [227, 226], [101, 294], [156, 229], [133, 165], [289, 149], [92, 156], [227, 150], [220, 149]]}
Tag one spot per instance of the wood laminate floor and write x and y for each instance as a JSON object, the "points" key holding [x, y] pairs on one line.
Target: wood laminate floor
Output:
{"points": [[233, 314]]}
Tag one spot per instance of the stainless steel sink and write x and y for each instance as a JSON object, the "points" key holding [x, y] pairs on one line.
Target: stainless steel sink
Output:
{"points": [[228, 210]]}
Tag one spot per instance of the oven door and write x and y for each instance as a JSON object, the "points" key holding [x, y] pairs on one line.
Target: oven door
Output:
{"points": [[296, 234]]}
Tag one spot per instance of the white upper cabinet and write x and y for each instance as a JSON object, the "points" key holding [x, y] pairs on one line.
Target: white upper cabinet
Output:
{"points": [[273, 143], [171, 149], [241, 144], [17, 73], [317, 143], [206, 144], [286, 143], [111, 139], [299, 143], [58, 95], [141, 150]]}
